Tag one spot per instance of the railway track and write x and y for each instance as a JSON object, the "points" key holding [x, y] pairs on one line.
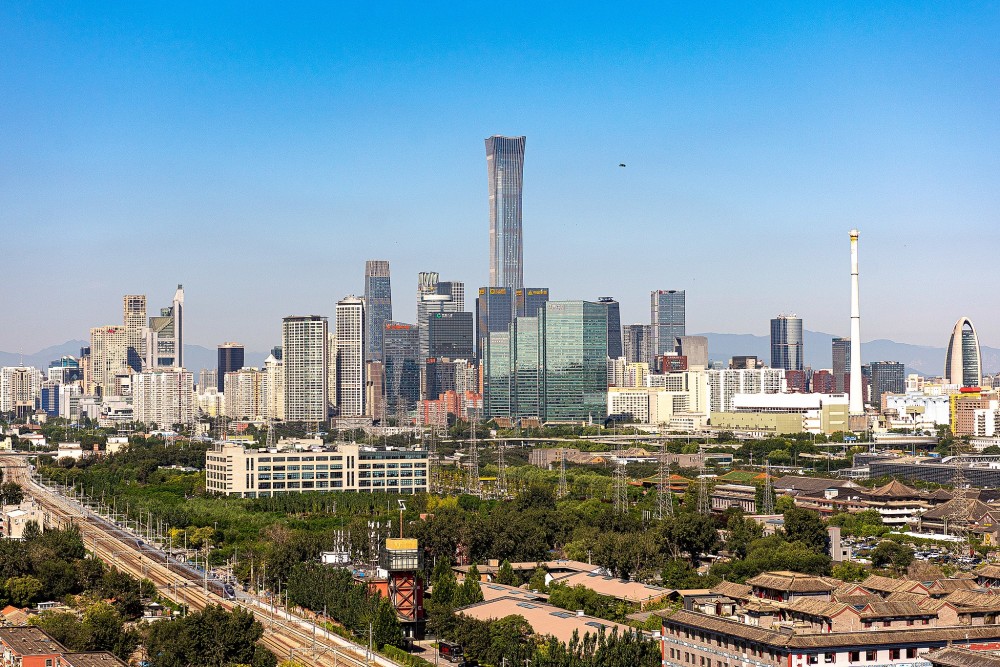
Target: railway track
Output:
{"points": [[286, 635]]}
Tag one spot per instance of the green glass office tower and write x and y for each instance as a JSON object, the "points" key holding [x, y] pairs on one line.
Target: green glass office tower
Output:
{"points": [[526, 366], [574, 360], [497, 376]]}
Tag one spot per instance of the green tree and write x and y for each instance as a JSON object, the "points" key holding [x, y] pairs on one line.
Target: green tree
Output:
{"points": [[802, 525], [470, 592], [212, 637], [742, 531], [892, 554], [505, 575], [22, 591], [693, 534], [850, 571], [537, 580], [11, 493], [386, 630]]}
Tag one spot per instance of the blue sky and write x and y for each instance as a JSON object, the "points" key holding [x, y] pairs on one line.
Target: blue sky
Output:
{"points": [[260, 153]]}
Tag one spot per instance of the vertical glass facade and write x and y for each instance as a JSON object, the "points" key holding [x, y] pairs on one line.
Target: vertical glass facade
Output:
{"points": [[614, 327], [526, 367], [786, 343], [667, 320], [841, 348], [378, 306], [505, 171], [494, 311], [401, 351], [530, 300], [497, 375], [574, 357]]}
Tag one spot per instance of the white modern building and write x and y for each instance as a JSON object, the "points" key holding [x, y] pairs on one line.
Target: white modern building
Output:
{"points": [[305, 466], [305, 345], [724, 384], [163, 397], [274, 387], [917, 409], [19, 386], [669, 396], [350, 336]]}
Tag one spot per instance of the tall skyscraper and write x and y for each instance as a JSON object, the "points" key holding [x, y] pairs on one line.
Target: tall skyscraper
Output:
{"points": [[231, 357], [574, 337], [637, 343], [165, 335], [108, 358], [134, 319], [529, 300], [841, 364], [402, 368], [786, 342], [494, 312], [614, 326], [351, 357], [887, 377], [667, 321], [304, 343], [378, 306], [505, 170], [450, 335], [963, 363]]}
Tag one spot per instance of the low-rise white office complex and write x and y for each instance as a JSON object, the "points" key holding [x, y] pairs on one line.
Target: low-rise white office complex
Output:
{"points": [[304, 466]]}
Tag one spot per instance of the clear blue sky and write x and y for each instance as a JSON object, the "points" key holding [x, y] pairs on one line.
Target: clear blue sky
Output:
{"points": [[260, 153]]}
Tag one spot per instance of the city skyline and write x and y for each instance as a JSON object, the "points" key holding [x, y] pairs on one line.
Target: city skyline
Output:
{"points": [[283, 147]]}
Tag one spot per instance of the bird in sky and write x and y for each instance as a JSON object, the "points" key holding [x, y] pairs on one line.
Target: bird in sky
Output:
{"points": [[621, 164]]}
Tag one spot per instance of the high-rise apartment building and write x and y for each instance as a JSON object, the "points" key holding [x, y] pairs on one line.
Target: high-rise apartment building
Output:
{"points": [[402, 368], [725, 384], [963, 362], [108, 357], [350, 335], [20, 388], [305, 343], [667, 321], [637, 343], [494, 312], [246, 393], [164, 397], [529, 300], [505, 171], [231, 357], [134, 319], [614, 326], [841, 349], [274, 387], [786, 343], [378, 306], [165, 335]]}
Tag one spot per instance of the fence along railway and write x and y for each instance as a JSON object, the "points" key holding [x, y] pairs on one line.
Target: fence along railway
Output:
{"points": [[285, 635]]}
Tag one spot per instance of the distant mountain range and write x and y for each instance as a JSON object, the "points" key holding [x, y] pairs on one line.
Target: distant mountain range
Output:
{"points": [[922, 359], [196, 357]]}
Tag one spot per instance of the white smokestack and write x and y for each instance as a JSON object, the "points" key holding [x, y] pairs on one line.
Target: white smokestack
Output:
{"points": [[857, 406]]}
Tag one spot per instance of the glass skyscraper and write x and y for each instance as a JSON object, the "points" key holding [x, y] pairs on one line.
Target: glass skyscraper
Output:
{"points": [[614, 326], [505, 170], [667, 321], [494, 312], [497, 375], [786, 342], [401, 345], [530, 300], [526, 366], [378, 306], [574, 338]]}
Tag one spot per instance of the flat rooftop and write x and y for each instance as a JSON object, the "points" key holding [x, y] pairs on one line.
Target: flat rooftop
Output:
{"points": [[629, 591], [545, 619], [29, 640]]}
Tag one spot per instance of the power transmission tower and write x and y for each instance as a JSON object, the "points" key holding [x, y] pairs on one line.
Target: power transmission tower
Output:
{"points": [[563, 489], [767, 502], [664, 497], [271, 440], [704, 503], [620, 481], [432, 465], [958, 519], [473, 486]]}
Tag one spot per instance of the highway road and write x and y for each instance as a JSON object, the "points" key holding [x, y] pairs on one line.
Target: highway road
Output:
{"points": [[287, 635]]}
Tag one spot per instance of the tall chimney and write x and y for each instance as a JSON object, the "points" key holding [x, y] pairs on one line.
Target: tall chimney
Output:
{"points": [[856, 406]]}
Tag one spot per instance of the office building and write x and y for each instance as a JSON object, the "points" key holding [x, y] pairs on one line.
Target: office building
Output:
{"points": [[667, 321], [246, 394], [786, 343], [695, 348], [435, 296], [108, 358], [402, 368], [505, 171], [574, 368], [614, 326], [164, 397], [637, 343], [841, 348], [350, 336], [529, 300], [494, 312], [302, 467], [497, 376], [231, 356], [526, 368], [20, 388], [741, 361], [165, 335], [65, 369], [886, 377], [277, 353], [963, 364], [450, 335], [134, 319], [304, 342], [378, 306], [375, 390]]}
